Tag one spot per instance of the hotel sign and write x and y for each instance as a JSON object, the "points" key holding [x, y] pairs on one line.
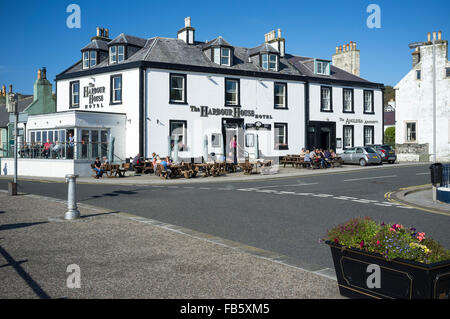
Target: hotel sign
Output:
{"points": [[357, 121], [236, 112], [95, 95]]}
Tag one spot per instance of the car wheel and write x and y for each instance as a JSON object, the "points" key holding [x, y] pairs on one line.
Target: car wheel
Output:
{"points": [[362, 162], [391, 162]]}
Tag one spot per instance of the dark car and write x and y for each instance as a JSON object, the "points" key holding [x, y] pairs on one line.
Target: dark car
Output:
{"points": [[386, 152]]}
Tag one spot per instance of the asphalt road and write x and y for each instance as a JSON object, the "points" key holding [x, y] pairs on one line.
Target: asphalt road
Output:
{"points": [[287, 216]]}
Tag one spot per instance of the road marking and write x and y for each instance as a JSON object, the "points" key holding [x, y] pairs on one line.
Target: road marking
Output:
{"points": [[299, 184], [365, 178], [423, 174]]}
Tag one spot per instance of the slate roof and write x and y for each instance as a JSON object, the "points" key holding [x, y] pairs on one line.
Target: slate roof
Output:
{"points": [[219, 41], [174, 51], [128, 39], [96, 45], [4, 115]]}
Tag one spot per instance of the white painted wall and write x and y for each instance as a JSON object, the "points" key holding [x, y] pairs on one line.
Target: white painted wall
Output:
{"points": [[45, 167], [203, 91], [341, 118], [414, 102], [129, 106]]}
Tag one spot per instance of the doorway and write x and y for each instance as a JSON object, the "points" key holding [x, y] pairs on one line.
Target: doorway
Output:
{"points": [[321, 135], [231, 128]]}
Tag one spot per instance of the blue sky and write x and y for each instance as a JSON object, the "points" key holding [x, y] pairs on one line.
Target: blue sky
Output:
{"points": [[34, 33]]}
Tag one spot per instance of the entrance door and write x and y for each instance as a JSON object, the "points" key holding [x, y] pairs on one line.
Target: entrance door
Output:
{"points": [[231, 128], [321, 135]]}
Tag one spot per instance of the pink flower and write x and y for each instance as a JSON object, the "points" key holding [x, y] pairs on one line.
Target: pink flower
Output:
{"points": [[378, 243], [420, 236], [361, 244]]}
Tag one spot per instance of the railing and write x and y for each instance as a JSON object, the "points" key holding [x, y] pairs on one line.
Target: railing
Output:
{"points": [[67, 150]]}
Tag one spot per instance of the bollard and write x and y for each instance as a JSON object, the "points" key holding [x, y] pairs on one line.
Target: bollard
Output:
{"points": [[73, 212]]}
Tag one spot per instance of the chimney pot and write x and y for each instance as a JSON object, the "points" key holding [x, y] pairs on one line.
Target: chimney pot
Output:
{"points": [[98, 31], [279, 33], [187, 22], [440, 35], [39, 74], [44, 73], [337, 49], [429, 36], [434, 35], [10, 88], [106, 33]]}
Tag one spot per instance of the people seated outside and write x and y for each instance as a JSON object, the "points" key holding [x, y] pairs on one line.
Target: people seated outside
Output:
{"points": [[56, 150], [105, 161], [302, 152], [307, 158], [136, 160], [333, 154], [98, 168], [46, 149], [165, 164]]}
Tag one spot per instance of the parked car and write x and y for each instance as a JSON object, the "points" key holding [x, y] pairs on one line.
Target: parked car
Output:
{"points": [[362, 155], [386, 152]]}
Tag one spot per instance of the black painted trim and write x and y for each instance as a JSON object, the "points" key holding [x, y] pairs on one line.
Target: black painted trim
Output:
{"points": [[70, 95], [238, 92], [382, 104], [185, 102], [184, 133], [142, 136], [306, 93], [343, 100], [373, 134], [331, 99], [274, 136], [373, 102], [111, 90], [213, 70], [343, 136], [285, 107]]}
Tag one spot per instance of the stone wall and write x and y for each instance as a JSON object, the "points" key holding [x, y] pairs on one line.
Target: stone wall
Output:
{"points": [[412, 152]]}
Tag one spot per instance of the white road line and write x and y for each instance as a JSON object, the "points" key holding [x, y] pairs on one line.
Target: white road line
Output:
{"points": [[382, 204], [423, 174], [364, 178], [323, 195], [300, 184]]}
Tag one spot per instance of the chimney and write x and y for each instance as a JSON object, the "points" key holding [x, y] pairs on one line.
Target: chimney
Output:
{"points": [[187, 34], [347, 58], [39, 74], [106, 33], [3, 90], [98, 31], [277, 42], [44, 73], [416, 56], [10, 88]]}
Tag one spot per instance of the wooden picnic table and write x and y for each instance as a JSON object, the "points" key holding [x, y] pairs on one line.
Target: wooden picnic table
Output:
{"points": [[113, 170]]}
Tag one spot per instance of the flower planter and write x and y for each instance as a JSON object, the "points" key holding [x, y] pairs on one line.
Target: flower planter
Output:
{"points": [[402, 279]]}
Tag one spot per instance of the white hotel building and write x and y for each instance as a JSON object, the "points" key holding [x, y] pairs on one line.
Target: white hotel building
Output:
{"points": [[149, 94]]}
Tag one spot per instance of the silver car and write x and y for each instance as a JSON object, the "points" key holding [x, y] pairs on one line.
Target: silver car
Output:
{"points": [[363, 156]]}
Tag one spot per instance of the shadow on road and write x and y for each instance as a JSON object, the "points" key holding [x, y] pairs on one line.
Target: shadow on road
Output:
{"points": [[23, 274], [19, 225]]}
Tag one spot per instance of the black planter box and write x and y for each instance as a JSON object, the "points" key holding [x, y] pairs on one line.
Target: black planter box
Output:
{"points": [[399, 279]]}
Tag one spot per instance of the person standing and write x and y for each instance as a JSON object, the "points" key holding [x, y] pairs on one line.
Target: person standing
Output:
{"points": [[233, 149]]}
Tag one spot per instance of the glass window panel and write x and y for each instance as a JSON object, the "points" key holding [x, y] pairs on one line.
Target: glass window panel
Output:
{"points": [[112, 54], [93, 58], [50, 136], [44, 136], [231, 87], [86, 59], [38, 136], [33, 137], [216, 55], [121, 55], [225, 56], [265, 62]]}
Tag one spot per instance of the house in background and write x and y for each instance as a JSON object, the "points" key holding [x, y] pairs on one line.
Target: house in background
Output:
{"points": [[389, 115], [414, 105]]}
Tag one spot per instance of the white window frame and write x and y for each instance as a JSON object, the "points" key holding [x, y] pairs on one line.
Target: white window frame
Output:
{"points": [[236, 92], [120, 56], [280, 130], [371, 104], [283, 95], [347, 140], [176, 136], [183, 85], [86, 59], [322, 67], [348, 103], [225, 56], [92, 58], [73, 94], [267, 62], [114, 89], [323, 98], [368, 138], [408, 133]]}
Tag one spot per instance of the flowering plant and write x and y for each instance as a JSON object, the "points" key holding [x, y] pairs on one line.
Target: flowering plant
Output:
{"points": [[390, 240]]}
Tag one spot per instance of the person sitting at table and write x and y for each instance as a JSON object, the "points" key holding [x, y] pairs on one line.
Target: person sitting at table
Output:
{"points": [[105, 160], [307, 158], [332, 154], [98, 168], [302, 152], [46, 149], [136, 160], [165, 164], [56, 150]]}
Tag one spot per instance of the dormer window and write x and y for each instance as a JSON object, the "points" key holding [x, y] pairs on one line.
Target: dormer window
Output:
{"points": [[89, 59], [269, 62], [222, 56], [116, 54], [322, 67]]}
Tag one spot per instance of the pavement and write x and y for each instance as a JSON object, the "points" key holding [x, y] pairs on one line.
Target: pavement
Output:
{"points": [[120, 255], [277, 172], [421, 197]]}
